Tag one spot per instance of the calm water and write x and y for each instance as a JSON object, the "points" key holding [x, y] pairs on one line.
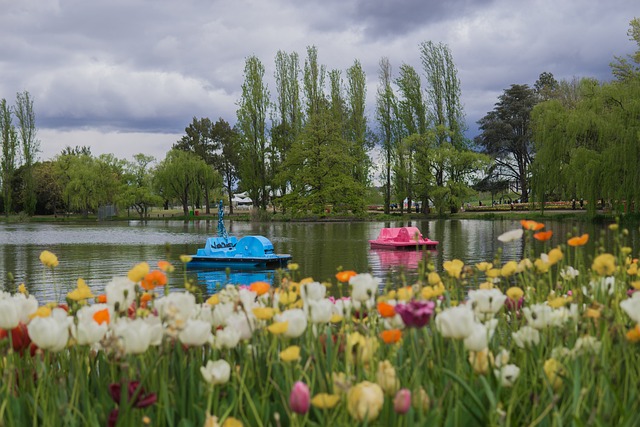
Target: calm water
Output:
{"points": [[99, 251]]}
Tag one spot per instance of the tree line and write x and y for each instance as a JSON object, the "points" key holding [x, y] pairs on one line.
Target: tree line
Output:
{"points": [[310, 147]]}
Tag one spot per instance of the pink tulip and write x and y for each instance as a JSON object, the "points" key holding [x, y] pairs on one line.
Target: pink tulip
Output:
{"points": [[300, 399], [402, 401]]}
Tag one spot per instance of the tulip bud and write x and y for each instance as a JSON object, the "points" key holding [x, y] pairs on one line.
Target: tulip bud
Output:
{"points": [[402, 401], [300, 399]]}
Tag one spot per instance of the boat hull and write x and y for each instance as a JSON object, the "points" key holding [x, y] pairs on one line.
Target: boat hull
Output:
{"points": [[238, 263], [403, 245], [402, 238]]}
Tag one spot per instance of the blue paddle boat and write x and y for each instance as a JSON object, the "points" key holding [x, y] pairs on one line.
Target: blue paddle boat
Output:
{"points": [[225, 251]]}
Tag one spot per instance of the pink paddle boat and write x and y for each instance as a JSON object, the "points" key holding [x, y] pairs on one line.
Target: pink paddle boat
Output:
{"points": [[402, 238]]}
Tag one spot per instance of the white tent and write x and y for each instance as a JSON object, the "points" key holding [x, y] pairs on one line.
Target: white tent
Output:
{"points": [[241, 200]]}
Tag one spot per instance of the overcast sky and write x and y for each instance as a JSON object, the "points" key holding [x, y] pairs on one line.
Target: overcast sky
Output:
{"points": [[127, 76]]}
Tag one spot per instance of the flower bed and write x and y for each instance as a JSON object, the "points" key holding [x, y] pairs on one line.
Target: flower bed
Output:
{"points": [[549, 340]]}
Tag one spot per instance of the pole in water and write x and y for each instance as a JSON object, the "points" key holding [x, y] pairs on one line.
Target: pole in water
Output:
{"points": [[222, 231]]}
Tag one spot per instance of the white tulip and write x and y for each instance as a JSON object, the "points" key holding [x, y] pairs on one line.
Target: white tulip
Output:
{"points": [[296, 319], [195, 333], [632, 307], [526, 337], [25, 306], [226, 338], [52, 332], [9, 317], [511, 236], [319, 311], [363, 287], [135, 335], [456, 322], [486, 302], [217, 372], [507, 374], [120, 291], [314, 291]]}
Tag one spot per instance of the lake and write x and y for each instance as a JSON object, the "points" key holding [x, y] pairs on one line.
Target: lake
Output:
{"points": [[98, 251]]}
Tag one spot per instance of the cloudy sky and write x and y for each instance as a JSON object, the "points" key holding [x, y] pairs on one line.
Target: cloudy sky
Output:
{"points": [[127, 76]]}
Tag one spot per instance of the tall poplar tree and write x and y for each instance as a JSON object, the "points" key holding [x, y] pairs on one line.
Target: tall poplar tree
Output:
{"points": [[356, 128], [252, 115], [443, 100], [30, 147], [385, 106], [9, 151], [287, 121]]}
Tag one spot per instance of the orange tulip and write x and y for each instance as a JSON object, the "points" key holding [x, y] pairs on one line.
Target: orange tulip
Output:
{"points": [[543, 235], [578, 241], [633, 335], [391, 336], [153, 279], [386, 310], [166, 266], [102, 299], [531, 225], [344, 276], [101, 316], [259, 288]]}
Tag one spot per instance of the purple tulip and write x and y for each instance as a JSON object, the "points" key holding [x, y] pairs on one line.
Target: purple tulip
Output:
{"points": [[416, 314], [300, 399]]}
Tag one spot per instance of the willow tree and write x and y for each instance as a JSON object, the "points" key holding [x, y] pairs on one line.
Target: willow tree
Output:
{"points": [[385, 106], [252, 114], [177, 177], [9, 151], [30, 147]]}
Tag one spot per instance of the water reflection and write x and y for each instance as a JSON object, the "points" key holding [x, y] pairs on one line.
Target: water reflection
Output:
{"points": [[212, 280], [97, 252]]}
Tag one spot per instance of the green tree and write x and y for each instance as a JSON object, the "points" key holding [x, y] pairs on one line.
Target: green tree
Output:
{"points": [[198, 139], [138, 192], [177, 177], [357, 130], [443, 100], [412, 122], [628, 69], [9, 151], [287, 121], [253, 106], [506, 135], [322, 169], [227, 161], [30, 147], [385, 106]]}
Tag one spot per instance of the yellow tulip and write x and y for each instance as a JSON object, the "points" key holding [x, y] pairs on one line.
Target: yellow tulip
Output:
{"points": [[509, 269], [81, 292], [604, 265], [454, 267], [264, 313], [49, 259], [138, 272], [484, 266], [554, 371], [555, 255], [290, 353], [278, 328], [364, 401], [325, 400], [515, 293]]}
